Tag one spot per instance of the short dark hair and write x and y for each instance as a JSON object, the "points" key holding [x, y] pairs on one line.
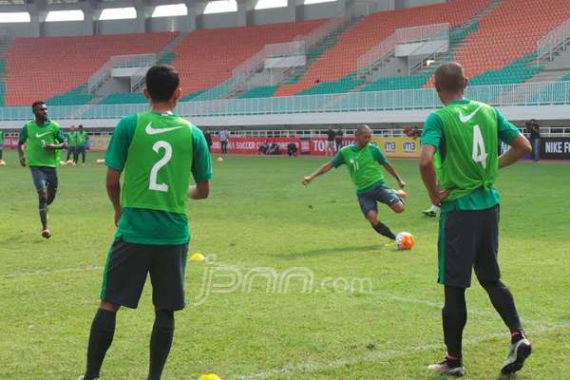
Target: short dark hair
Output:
{"points": [[161, 82], [37, 103], [450, 77]]}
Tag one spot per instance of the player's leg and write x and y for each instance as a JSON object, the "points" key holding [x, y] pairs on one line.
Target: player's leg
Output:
{"points": [[83, 150], [457, 244], [488, 272], [100, 338], [124, 275], [40, 183], [167, 277], [432, 211], [369, 208], [75, 155], [395, 199], [52, 183], [69, 152]]}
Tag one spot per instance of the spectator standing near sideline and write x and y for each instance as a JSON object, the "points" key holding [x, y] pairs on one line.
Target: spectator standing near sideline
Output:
{"points": [[338, 139], [224, 136], [82, 143], [534, 129], [330, 142]]}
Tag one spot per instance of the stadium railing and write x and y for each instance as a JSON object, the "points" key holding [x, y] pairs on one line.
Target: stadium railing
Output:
{"points": [[554, 41], [558, 93]]}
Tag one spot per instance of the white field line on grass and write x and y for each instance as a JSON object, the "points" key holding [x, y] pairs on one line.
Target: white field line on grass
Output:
{"points": [[377, 294], [298, 368], [14, 275]]}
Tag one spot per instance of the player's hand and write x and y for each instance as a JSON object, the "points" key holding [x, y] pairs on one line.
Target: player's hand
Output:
{"points": [[307, 180], [401, 183], [23, 161], [439, 197], [118, 214]]}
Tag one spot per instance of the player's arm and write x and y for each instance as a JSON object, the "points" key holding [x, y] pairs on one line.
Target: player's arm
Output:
{"points": [[201, 166], [320, 171], [60, 138], [520, 147], [114, 191], [199, 191], [394, 173], [21, 141], [511, 135], [427, 171]]}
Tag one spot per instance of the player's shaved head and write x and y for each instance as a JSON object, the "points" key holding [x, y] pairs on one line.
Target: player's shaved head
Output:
{"points": [[161, 82], [362, 128], [450, 77]]}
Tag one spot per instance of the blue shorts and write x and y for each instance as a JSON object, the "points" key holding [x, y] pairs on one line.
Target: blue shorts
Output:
{"points": [[45, 178], [380, 193]]}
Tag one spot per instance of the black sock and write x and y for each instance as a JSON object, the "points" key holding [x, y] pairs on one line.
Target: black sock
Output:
{"points": [[43, 209], [503, 301], [100, 339], [160, 342], [454, 315], [384, 230]]}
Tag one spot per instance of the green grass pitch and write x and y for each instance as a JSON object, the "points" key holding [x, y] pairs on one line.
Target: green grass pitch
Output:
{"points": [[297, 286]]}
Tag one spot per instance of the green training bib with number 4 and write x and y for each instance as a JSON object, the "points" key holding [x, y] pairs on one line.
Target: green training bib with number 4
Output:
{"points": [[159, 163], [471, 138]]}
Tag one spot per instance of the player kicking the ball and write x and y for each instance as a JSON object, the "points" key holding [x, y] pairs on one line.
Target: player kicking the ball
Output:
{"points": [[362, 159]]}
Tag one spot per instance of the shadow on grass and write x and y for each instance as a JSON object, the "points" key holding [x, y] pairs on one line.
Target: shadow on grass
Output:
{"points": [[334, 251]]}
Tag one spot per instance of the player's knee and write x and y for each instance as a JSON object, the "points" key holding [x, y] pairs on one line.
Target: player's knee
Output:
{"points": [[491, 285], [164, 319], [372, 217], [109, 306], [398, 207]]}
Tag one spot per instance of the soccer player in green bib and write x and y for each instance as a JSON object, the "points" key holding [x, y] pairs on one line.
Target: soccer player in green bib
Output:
{"points": [[82, 141], [362, 160], [43, 138], [2, 162], [466, 135], [156, 152], [71, 138]]}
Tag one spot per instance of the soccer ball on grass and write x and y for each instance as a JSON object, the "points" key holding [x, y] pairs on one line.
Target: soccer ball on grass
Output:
{"points": [[405, 241]]}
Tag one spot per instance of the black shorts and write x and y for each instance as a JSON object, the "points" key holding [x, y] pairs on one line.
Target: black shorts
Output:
{"points": [[126, 268], [380, 193], [45, 178], [468, 239]]}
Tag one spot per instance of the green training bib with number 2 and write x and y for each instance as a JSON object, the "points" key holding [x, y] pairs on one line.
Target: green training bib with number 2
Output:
{"points": [[159, 163]]}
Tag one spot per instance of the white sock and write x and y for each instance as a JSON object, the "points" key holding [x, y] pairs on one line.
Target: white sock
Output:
{"points": [[434, 208]]}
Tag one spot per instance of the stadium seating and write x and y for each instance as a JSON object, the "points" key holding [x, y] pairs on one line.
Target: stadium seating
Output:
{"points": [[509, 33], [340, 60], [206, 57], [258, 92], [66, 62], [76, 96]]}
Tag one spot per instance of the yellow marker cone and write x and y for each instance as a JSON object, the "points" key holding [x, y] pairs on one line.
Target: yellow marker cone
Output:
{"points": [[99, 161], [210, 376], [197, 257], [220, 159]]}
